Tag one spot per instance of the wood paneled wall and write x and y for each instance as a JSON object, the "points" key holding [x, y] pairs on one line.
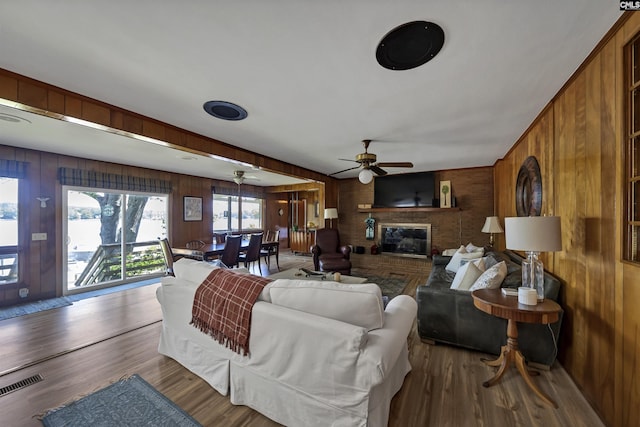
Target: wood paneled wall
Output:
{"points": [[579, 142]]}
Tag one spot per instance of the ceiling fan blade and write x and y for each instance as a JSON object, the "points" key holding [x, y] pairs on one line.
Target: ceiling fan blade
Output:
{"points": [[378, 170], [350, 160], [395, 164], [336, 173]]}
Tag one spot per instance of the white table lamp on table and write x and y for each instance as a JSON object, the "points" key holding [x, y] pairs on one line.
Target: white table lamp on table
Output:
{"points": [[533, 234]]}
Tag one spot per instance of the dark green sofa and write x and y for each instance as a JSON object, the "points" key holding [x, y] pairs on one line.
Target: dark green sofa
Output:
{"points": [[448, 315]]}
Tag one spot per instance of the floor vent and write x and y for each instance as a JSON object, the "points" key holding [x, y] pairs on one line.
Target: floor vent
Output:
{"points": [[21, 384]]}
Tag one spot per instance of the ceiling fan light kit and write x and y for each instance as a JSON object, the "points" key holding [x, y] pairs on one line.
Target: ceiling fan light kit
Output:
{"points": [[365, 176], [367, 161]]}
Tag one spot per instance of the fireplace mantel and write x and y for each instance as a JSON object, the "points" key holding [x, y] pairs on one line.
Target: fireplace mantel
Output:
{"points": [[419, 209]]}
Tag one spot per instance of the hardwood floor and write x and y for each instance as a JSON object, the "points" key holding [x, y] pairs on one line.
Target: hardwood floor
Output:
{"points": [[81, 348]]}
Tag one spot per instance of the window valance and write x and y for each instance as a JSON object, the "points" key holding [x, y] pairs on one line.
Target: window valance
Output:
{"points": [[111, 181], [244, 190], [13, 169]]}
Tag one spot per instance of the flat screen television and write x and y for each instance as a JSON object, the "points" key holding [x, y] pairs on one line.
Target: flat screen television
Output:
{"points": [[404, 190]]}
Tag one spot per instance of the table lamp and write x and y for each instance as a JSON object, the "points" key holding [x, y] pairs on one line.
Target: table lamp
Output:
{"points": [[492, 225], [533, 234], [330, 214]]}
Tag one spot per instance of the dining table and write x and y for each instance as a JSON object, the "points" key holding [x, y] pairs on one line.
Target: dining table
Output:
{"points": [[210, 251]]}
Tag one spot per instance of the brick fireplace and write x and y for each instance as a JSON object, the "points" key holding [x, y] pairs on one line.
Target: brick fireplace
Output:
{"points": [[405, 239]]}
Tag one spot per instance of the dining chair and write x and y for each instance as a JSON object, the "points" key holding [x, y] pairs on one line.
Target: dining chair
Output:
{"points": [[219, 237], [253, 252], [272, 249], [231, 251], [169, 257]]}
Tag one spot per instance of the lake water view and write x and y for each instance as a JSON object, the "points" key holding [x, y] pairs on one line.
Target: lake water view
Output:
{"points": [[83, 237]]}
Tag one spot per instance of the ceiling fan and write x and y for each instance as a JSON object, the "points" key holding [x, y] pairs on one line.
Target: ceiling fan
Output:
{"points": [[239, 177], [370, 166]]}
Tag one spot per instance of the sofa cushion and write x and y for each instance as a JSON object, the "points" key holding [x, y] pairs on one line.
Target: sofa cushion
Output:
{"points": [[492, 278], [467, 275], [513, 279], [357, 304], [192, 270], [461, 254]]}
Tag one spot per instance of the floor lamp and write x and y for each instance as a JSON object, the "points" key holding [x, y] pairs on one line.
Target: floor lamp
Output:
{"points": [[330, 214], [533, 234]]}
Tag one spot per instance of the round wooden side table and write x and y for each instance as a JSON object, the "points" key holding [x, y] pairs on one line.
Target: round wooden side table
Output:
{"points": [[495, 303]]}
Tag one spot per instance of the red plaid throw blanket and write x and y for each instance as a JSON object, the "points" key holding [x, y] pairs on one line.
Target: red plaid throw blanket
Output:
{"points": [[222, 307]]}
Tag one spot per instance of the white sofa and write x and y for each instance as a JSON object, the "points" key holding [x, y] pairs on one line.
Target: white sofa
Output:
{"points": [[308, 366]]}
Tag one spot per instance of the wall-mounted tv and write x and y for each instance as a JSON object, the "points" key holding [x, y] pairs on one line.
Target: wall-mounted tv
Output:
{"points": [[404, 190]]}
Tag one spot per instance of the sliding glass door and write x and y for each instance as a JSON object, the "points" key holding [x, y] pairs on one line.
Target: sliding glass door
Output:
{"points": [[111, 237]]}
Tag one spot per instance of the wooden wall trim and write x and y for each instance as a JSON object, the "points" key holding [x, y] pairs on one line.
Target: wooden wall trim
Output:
{"points": [[41, 95]]}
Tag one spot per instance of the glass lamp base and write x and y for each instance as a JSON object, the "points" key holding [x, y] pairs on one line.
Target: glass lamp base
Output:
{"points": [[533, 274]]}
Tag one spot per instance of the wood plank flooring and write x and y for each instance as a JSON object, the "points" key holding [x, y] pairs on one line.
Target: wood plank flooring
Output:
{"points": [[81, 348]]}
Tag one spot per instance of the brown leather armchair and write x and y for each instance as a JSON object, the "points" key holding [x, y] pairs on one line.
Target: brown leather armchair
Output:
{"points": [[328, 255]]}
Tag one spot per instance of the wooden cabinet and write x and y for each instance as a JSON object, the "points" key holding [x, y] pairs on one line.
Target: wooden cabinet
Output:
{"points": [[302, 240]]}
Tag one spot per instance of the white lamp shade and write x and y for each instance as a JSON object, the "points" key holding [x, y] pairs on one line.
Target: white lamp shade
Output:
{"points": [[330, 213], [492, 225], [533, 233], [365, 176]]}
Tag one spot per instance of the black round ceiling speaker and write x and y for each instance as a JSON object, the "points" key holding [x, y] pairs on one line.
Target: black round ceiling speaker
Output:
{"points": [[225, 110], [410, 45]]}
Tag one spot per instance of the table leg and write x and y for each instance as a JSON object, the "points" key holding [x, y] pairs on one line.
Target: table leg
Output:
{"points": [[498, 361], [503, 362], [511, 353], [522, 368]]}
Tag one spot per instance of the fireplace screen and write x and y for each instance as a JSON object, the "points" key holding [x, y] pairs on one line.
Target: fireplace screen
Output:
{"points": [[411, 240]]}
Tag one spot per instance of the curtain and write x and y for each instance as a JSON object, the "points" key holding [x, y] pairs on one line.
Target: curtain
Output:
{"points": [[111, 181], [13, 169], [233, 189]]}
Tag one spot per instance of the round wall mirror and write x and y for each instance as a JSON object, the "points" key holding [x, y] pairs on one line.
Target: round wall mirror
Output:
{"points": [[529, 189]]}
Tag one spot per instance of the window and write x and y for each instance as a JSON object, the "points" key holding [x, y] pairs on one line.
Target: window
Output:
{"points": [[632, 153], [8, 230], [227, 217], [101, 226]]}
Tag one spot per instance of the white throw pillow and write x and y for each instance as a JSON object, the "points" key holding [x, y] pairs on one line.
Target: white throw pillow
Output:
{"points": [[467, 275], [454, 263], [473, 248], [359, 305], [192, 270], [492, 278]]}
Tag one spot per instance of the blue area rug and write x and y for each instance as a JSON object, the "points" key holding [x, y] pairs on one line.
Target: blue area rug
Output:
{"points": [[33, 307], [129, 402]]}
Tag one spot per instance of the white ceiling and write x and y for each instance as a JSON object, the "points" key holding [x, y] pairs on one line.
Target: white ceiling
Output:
{"points": [[306, 72]]}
